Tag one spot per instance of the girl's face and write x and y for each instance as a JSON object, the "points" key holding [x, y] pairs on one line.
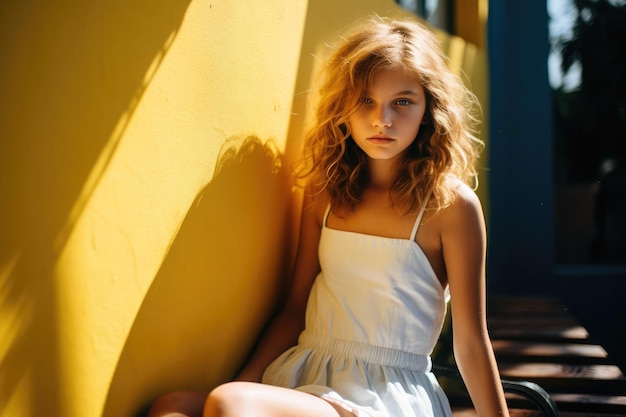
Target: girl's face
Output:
{"points": [[389, 117]]}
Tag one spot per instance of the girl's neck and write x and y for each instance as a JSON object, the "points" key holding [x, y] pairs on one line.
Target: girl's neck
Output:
{"points": [[382, 173]]}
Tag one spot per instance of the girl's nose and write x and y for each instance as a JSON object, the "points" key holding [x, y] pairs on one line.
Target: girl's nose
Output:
{"points": [[381, 117]]}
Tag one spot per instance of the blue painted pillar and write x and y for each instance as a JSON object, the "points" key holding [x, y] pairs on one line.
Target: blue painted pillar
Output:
{"points": [[520, 252]]}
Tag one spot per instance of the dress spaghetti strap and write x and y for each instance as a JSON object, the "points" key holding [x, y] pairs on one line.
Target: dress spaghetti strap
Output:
{"points": [[326, 213], [419, 218]]}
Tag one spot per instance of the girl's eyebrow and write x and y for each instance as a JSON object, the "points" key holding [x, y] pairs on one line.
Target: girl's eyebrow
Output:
{"points": [[401, 93], [407, 93]]}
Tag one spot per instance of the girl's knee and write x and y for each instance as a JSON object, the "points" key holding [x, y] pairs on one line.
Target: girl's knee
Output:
{"points": [[230, 399]]}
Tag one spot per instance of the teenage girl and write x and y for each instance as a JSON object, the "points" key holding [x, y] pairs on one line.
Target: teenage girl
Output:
{"points": [[391, 231]]}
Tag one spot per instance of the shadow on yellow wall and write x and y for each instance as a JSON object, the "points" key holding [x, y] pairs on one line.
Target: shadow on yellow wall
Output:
{"points": [[211, 290], [70, 72]]}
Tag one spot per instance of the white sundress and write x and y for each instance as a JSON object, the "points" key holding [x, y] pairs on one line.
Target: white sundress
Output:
{"points": [[373, 317]]}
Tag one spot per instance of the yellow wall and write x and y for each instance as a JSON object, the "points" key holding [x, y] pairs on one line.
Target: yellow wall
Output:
{"points": [[146, 211]]}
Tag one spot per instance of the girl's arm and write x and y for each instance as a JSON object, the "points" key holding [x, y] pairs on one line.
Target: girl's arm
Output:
{"points": [[282, 333], [464, 249]]}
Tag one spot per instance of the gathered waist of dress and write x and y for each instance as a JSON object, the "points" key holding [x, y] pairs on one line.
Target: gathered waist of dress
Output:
{"points": [[375, 355]]}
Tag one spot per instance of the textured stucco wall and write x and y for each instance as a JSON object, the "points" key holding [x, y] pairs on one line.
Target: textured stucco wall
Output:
{"points": [[141, 152]]}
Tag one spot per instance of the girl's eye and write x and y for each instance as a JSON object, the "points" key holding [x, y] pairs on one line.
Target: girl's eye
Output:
{"points": [[403, 102], [366, 100]]}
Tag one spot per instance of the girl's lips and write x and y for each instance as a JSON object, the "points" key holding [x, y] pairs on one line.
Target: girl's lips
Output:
{"points": [[380, 140]]}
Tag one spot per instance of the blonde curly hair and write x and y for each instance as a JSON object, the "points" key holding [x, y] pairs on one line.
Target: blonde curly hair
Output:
{"points": [[446, 145]]}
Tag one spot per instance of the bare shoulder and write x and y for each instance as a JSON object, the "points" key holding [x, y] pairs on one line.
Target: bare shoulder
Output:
{"points": [[466, 206], [462, 191], [316, 201]]}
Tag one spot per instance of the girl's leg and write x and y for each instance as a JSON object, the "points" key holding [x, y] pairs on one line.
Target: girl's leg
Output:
{"points": [[248, 399], [179, 404]]}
